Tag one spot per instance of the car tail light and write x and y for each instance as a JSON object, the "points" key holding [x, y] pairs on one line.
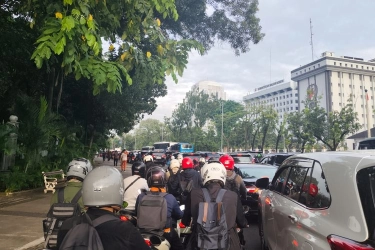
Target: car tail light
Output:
{"points": [[340, 243], [253, 160], [252, 189], [182, 225], [163, 156], [148, 242]]}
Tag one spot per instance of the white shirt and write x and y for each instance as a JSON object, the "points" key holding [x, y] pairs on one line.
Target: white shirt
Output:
{"points": [[130, 196]]}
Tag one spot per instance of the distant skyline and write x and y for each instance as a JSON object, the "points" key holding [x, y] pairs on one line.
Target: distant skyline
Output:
{"points": [[341, 26]]}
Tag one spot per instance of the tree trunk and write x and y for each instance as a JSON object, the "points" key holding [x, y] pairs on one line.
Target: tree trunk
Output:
{"points": [[52, 82], [60, 93]]}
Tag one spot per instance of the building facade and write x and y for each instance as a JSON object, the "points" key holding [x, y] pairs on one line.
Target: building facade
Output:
{"points": [[332, 80], [282, 96], [210, 88]]}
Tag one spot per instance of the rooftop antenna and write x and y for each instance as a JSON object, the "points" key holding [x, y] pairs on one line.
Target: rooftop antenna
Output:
{"points": [[311, 41]]}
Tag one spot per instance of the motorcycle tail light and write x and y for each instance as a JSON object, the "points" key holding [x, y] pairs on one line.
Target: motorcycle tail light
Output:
{"points": [[340, 243], [123, 218], [148, 242], [182, 225]]}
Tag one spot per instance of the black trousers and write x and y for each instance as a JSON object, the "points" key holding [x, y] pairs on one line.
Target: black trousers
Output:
{"points": [[174, 240], [115, 162]]}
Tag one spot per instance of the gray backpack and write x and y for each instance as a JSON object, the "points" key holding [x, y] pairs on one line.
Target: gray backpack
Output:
{"points": [[57, 214], [212, 226], [84, 235], [152, 212]]}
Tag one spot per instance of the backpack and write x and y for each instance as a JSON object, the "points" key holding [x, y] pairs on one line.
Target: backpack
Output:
{"points": [[84, 235], [231, 184], [152, 212], [185, 186], [57, 214], [212, 228], [173, 184]]}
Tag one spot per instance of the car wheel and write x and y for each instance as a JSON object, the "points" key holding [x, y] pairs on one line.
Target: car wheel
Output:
{"points": [[263, 244]]}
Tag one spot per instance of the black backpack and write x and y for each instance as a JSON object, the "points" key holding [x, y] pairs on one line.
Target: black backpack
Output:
{"points": [[186, 185], [56, 215], [84, 235], [173, 184], [231, 184]]}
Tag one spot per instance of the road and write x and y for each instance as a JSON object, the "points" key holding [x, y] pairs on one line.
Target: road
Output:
{"points": [[252, 235]]}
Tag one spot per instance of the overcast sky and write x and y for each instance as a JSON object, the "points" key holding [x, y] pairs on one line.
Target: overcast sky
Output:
{"points": [[345, 27]]}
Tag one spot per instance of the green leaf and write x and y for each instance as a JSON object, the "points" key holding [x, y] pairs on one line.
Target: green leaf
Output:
{"points": [[39, 62], [68, 2], [82, 20], [60, 46], [67, 23], [43, 38], [76, 12]]}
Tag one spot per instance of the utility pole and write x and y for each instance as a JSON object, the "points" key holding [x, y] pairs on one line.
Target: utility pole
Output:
{"points": [[311, 41], [368, 115]]}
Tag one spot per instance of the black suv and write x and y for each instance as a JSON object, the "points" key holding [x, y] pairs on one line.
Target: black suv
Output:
{"points": [[275, 159], [159, 156]]}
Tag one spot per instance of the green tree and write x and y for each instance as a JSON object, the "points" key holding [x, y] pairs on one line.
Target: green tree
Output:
{"points": [[267, 122], [333, 127], [298, 126]]}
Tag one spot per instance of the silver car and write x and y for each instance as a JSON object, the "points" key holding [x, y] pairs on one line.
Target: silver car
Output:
{"points": [[320, 201]]}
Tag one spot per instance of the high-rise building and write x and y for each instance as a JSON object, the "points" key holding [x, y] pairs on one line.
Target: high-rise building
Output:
{"points": [[282, 96], [332, 80], [210, 88]]}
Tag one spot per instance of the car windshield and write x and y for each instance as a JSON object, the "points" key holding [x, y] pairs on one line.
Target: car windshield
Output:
{"points": [[242, 159], [366, 188], [257, 173]]}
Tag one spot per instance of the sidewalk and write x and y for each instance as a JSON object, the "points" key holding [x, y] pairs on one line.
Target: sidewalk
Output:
{"points": [[21, 215]]}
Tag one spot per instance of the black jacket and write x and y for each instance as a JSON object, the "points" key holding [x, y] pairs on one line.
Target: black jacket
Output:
{"points": [[233, 212], [115, 234], [192, 174]]}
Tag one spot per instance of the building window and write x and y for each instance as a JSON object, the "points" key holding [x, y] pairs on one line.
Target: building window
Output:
{"points": [[296, 108], [296, 95], [287, 102], [318, 64], [296, 101], [284, 103], [334, 63], [346, 65], [309, 69], [305, 70], [367, 67], [356, 66], [350, 86], [314, 66], [360, 87], [291, 108], [339, 84], [340, 104], [372, 97], [362, 67], [340, 64], [351, 65], [362, 114], [362, 107], [338, 74]]}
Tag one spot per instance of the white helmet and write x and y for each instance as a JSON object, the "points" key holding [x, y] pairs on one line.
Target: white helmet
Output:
{"points": [[84, 160], [213, 171], [179, 158], [174, 164], [202, 159], [77, 170], [148, 158], [103, 187]]}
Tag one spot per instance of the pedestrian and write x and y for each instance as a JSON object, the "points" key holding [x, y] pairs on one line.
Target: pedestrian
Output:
{"points": [[104, 155], [115, 158], [124, 159], [102, 194], [108, 155]]}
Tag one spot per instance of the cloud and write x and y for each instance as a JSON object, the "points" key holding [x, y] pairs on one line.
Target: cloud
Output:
{"points": [[344, 27]]}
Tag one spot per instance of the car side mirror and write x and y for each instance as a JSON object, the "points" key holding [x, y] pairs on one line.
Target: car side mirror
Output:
{"points": [[262, 183]]}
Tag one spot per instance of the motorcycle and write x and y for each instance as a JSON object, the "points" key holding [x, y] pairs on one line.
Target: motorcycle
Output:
{"points": [[153, 240]]}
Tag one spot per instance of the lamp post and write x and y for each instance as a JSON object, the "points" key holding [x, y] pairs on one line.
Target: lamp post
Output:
{"points": [[135, 137], [222, 125]]}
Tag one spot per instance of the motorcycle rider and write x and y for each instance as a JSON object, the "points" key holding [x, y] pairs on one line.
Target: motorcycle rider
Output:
{"points": [[102, 194], [156, 181], [76, 173], [214, 177], [149, 161], [134, 185], [179, 158], [174, 167], [234, 181]]}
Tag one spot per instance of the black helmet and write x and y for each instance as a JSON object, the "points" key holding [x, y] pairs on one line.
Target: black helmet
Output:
{"points": [[139, 168], [155, 177]]}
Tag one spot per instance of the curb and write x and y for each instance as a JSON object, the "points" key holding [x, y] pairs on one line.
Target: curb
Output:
{"points": [[21, 193], [31, 244]]}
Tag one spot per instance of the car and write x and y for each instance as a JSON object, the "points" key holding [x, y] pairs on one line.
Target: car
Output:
{"points": [[242, 157], [319, 201], [250, 173], [275, 159], [209, 156], [256, 155], [159, 156]]}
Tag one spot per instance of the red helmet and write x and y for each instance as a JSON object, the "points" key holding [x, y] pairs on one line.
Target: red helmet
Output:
{"points": [[227, 161], [187, 163]]}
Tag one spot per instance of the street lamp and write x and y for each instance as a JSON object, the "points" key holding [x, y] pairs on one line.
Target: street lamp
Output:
{"points": [[222, 125], [135, 137]]}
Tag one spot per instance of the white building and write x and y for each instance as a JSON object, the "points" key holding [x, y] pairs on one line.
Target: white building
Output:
{"points": [[336, 79], [282, 96], [210, 88]]}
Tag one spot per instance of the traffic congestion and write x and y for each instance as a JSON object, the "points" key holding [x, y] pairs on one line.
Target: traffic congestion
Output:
{"points": [[216, 200]]}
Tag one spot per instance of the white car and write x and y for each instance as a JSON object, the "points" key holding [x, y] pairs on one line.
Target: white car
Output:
{"points": [[320, 201]]}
